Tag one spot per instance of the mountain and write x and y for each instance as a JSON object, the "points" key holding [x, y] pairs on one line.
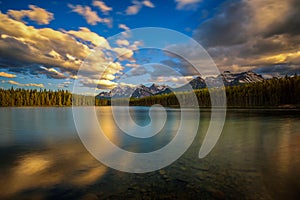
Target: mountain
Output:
{"points": [[104, 95], [121, 91], [137, 92], [142, 91], [198, 83], [117, 92], [229, 79]]}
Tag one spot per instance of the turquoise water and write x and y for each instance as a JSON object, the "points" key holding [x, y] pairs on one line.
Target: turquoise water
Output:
{"points": [[256, 157]]}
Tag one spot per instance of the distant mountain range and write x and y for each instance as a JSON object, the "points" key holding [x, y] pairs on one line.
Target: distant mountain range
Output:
{"points": [[229, 79]]}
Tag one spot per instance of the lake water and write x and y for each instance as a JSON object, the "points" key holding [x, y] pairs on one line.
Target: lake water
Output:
{"points": [[256, 157]]}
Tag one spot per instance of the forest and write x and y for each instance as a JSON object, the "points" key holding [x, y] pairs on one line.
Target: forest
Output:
{"points": [[283, 92], [269, 93]]}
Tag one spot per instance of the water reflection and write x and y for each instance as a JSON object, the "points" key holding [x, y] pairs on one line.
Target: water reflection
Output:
{"points": [[66, 163], [281, 166], [141, 117], [257, 157]]}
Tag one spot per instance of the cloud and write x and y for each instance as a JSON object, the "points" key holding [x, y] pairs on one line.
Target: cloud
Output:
{"points": [[40, 85], [56, 54], [124, 53], [278, 70], [137, 6], [138, 71], [134, 9], [187, 4], [148, 4], [187, 57], [102, 6], [45, 46], [64, 84], [176, 81], [89, 36], [157, 73], [123, 26], [39, 15], [53, 73], [252, 34], [132, 65], [90, 16], [7, 75], [122, 42], [98, 83]]}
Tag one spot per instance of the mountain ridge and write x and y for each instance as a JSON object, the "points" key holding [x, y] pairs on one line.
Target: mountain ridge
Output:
{"points": [[228, 78]]}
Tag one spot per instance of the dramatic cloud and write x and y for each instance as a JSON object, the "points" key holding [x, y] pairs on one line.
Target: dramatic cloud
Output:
{"points": [[187, 4], [39, 15], [40, 85], [7, 75], [188, 57], [137, 6], [102, 6], [58, 54], [253, 34], [22, 45], [279, 70], [91, 16]]}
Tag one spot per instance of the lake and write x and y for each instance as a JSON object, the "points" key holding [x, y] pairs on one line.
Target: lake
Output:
{"points": [[256, 157]]}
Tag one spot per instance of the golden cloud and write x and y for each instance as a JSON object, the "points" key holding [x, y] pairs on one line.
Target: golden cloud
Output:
{"points": [[7, 75], [58, 54], [91, 16], [44, 46], [102, 6], [26, 84], [39, 15], [89, 36], [122, 42], [137, 6], [123, 26]]}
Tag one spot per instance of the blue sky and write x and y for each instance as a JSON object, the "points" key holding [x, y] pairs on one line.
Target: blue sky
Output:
{"points": [[43, 43]]}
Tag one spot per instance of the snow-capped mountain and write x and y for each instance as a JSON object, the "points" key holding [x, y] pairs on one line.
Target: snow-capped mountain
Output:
{"points": [[231, 79], [142, 91], [228, 78], [136, 92], [198, 83], [117, 92], [121, 91]]}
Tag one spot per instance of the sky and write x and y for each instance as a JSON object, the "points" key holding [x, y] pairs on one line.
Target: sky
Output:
{"points": [[43, 44]]}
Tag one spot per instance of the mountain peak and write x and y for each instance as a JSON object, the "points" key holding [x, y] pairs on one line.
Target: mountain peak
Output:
{"points": [[229, 79]]}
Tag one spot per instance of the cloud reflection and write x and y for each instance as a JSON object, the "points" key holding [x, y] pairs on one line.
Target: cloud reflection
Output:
{"points": [[66, 163]]}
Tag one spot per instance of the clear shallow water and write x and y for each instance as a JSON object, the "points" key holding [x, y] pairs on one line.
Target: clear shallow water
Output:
{"points": [[256, 157]]}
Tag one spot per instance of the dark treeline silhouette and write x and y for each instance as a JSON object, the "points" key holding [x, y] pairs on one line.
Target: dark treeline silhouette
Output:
{"points": [[23, 97], [33, 97], [269, 93]]}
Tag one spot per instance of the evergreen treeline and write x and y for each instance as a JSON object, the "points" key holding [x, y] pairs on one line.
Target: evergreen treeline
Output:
{"points": [[22, 97], [268, 93]]}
